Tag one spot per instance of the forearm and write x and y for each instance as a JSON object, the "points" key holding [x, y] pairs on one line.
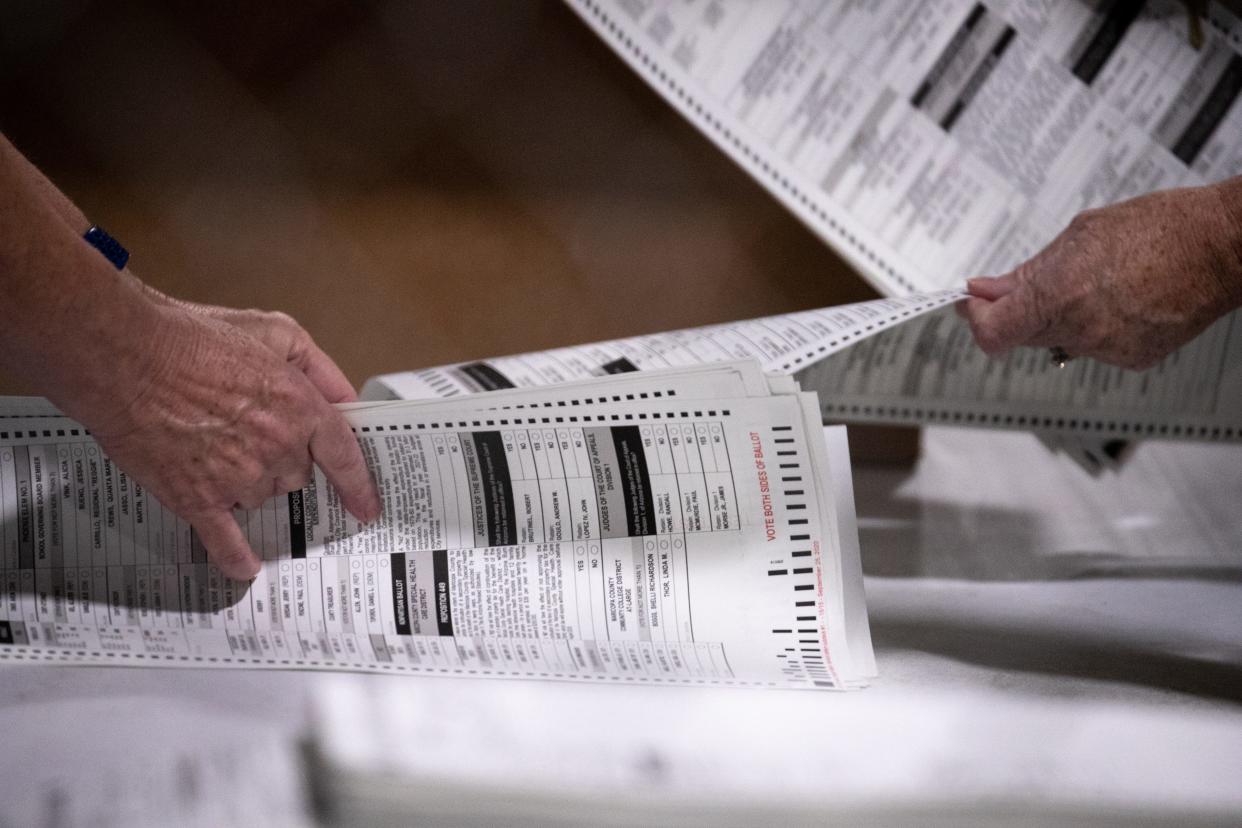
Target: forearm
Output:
{"points": [[74, 327], [60, 203], [46, 190]]}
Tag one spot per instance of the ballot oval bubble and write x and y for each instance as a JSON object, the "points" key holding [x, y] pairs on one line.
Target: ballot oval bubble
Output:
{"points": [[664, 544], [314, 567], [383, 563]]}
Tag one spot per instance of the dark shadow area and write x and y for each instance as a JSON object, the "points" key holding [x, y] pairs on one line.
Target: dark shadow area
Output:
{"points": [[893, 535], [909, 537], [417, 183], [1013, 648], [129, 593]]}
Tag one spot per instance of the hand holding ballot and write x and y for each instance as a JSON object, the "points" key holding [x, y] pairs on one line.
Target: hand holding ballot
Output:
{"points": [[231, 415], [206, 408], [1125, 284]]}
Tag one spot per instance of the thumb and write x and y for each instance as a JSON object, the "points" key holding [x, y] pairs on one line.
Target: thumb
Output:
{"points": [[1003, 324], [226, 546], [992, 287]]}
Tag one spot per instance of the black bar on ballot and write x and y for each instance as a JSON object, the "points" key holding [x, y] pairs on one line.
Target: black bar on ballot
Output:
{"points": [[1217, 104], [444, 601], [635, 482], [1114, 24], [493, 468], [297, 525], [400, 594], [486, 376], [619, 366]]}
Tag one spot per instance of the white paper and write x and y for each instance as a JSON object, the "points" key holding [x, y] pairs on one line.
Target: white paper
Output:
{"points": [[909, 360], [929, 142], [671, 528], [554, 755]]}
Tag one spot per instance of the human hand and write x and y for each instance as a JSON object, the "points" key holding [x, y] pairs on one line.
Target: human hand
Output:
{"points": [[287, 340], [207, 408], [234, 410], [1125, 284]]}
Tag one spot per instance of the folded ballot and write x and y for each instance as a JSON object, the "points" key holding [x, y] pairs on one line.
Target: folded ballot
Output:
{"points": [[683, 526]]}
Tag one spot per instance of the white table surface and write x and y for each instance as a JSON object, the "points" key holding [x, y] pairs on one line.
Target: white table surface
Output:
{"points": [[1041, 636]]}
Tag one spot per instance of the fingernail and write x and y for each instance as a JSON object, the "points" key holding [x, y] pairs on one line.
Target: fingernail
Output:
{"points": [[245, 576]]}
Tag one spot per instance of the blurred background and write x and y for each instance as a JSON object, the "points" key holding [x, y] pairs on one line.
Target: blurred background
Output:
{"points": [[415, 182]]}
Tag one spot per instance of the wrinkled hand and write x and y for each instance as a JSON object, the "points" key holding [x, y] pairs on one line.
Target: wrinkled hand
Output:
{"points": [[234, 411], [1125, 284]]}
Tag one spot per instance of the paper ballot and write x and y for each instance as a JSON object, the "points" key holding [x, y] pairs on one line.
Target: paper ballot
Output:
{"points": [[687, 526]]}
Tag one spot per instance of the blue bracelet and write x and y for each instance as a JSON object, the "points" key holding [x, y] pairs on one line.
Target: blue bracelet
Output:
{"points": [[111, 249]]}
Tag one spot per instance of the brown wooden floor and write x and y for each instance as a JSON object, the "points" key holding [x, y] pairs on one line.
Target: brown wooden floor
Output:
{"points": [[416, 183]]}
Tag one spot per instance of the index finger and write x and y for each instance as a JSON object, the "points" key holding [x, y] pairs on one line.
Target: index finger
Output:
{"points": [[334, 447], [226, 546], [325, 375]]}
